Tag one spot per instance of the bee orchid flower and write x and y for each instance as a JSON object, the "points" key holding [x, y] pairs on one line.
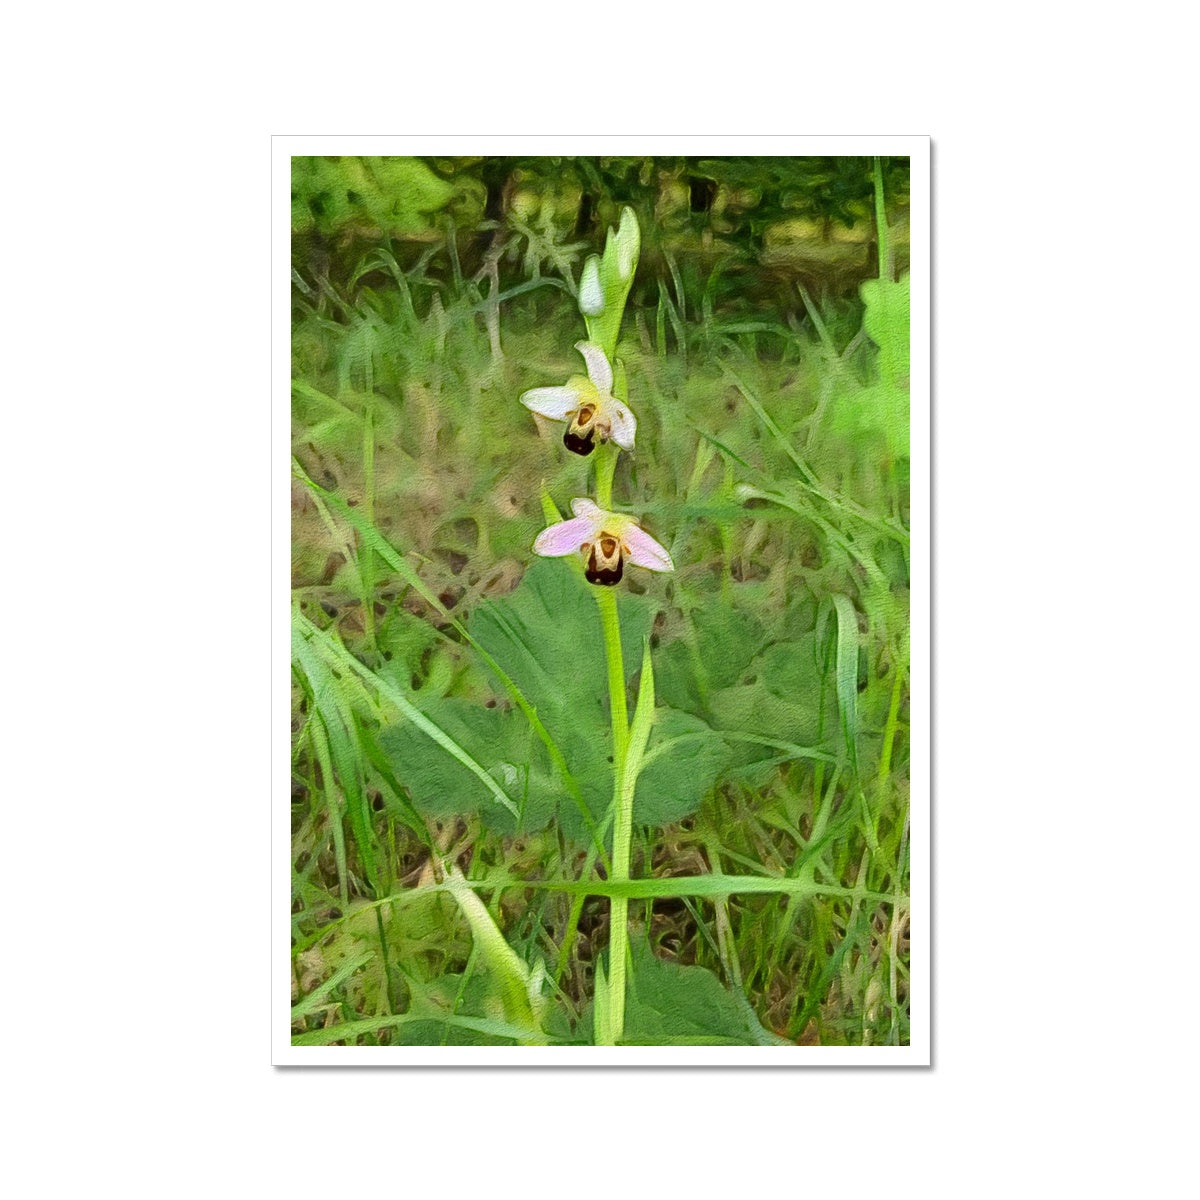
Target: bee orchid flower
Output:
{"points": [[588, 406], [606, 540]]}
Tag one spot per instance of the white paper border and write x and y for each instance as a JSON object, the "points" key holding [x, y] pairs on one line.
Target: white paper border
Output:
{"points": [[919, 1052]]}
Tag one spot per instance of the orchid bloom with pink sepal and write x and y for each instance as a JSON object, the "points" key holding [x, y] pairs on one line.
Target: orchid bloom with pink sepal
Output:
{"points": [[606, 540]]}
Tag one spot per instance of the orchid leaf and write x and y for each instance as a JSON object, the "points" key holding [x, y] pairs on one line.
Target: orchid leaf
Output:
{"points": [[670, 1005], [548, 636]]}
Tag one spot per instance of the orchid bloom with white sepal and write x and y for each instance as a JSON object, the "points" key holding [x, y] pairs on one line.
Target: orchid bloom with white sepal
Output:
{"points": [[588, 406], [605, 539]]}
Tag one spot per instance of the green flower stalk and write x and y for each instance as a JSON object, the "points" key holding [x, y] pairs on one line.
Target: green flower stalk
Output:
{"points": [[608, 541]]}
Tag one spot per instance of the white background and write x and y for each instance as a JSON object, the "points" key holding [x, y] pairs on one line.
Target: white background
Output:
{"points": [[136, 219]]}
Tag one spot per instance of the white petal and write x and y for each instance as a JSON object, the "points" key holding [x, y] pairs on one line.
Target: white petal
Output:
{"points": [[644, 551], [624, 424], [564, 538], [591, 294], [583, 507], [598, 369], [557, 403]]}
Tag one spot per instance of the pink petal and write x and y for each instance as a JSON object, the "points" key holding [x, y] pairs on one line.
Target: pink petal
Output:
{"points": [[583, 507], [564, 538], [644, 551], [557, 403], [598, 369]]}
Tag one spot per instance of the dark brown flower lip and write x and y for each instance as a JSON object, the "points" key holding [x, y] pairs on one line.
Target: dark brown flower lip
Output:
{"points": [[580, 445], [603, 576], [604, 560]]}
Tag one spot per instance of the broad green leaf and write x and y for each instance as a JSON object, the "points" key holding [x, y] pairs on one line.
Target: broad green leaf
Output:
{"points": [[547, 635], [779, 699], [499, 740], [683, 762], [669, 1004], [726, 638], [679, 680]]}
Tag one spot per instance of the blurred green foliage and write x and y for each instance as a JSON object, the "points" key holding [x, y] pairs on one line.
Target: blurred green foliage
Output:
{"points": [[730, 233], [394, 196]]}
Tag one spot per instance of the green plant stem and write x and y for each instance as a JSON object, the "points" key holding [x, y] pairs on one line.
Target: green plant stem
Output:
{"points": [[610, 622], [618, 948], [618, 935], [606, 600], [606, 468], [626, 782], [881, 225]]}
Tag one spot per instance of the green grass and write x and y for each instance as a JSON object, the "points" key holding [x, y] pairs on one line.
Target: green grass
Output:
{"points": [[450, 690]]}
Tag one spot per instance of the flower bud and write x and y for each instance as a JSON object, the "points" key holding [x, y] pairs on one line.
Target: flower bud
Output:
{"points": [[591, 294]]}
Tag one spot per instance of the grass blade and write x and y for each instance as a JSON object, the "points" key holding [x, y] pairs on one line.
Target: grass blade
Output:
{"points": [[353, 1029], [395, 697], [846, 672], [314, 998], [643, 720]]}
